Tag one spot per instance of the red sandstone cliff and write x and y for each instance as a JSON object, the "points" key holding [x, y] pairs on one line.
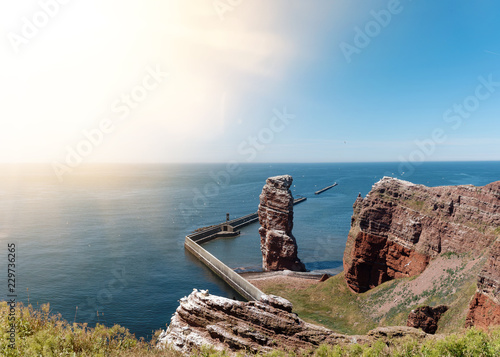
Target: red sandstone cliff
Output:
{"points": [[278, 245], [484, 309], [399, 227]]}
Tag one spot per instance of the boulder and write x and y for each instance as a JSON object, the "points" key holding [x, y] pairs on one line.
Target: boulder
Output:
{"points": [[426, 318]]}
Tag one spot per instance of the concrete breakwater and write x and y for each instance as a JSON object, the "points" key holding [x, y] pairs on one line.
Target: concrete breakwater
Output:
{"points": [[193, 243], [241, 285], [204, 235], [325, 189]]}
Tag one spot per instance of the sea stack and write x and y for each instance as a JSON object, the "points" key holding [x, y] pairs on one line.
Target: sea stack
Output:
{"points": [[277, 243]]}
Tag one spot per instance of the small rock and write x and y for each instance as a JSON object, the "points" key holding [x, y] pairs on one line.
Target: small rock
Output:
{"points": [[426, 318]]}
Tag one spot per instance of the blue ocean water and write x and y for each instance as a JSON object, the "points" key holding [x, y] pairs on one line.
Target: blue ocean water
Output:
{"points": [[106, 244]]}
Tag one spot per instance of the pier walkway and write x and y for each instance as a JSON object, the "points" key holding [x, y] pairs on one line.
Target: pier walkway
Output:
{"points": [[325, 189], [194, 240]]}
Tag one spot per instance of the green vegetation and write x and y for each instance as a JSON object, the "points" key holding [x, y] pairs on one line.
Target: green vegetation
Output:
{"points": [[333, 305], [452, 288], [416, 205], [450, 255], [412, 202], [470, 343], [41, 334]]}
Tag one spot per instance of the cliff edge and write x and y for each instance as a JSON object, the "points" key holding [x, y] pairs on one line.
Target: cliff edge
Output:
{"points": [[255, 327], [399, 227]]}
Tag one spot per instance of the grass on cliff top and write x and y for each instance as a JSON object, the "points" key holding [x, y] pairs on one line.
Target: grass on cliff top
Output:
{"points": [[468, 343], [452, 286], [38, 333], [330, 303], [333, 305]]}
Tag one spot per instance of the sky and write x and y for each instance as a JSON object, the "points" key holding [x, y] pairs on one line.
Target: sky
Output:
{"points": [[249, 81]]}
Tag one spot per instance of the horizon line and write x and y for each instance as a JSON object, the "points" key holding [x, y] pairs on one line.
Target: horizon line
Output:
{"points": [[249, 163]]}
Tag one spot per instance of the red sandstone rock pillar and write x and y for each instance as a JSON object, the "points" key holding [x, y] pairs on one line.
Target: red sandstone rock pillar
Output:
{"points": [[278, 245]]}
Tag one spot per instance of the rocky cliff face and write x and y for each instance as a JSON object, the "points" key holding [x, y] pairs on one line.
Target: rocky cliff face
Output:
{"points": [[484, 309], [256, 326], [278, 245], [399, 227]]}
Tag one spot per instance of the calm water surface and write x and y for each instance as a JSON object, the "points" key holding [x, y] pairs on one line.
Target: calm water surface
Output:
{"points": [[109, 238]]}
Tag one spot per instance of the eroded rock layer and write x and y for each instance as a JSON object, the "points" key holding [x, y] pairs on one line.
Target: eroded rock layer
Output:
{"points": [[278, 245], [256, 326], [399, 226], [484, 308]]}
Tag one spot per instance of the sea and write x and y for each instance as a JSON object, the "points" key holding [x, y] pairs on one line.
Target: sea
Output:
{"points": [[105, 243]]}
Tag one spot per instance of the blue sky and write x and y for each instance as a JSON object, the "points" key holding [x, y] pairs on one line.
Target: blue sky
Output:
{"points": [[208, 78]]}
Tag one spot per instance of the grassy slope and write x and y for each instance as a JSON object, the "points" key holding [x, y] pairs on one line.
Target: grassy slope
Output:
{"points": [[42, 334], [333, 305]]}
